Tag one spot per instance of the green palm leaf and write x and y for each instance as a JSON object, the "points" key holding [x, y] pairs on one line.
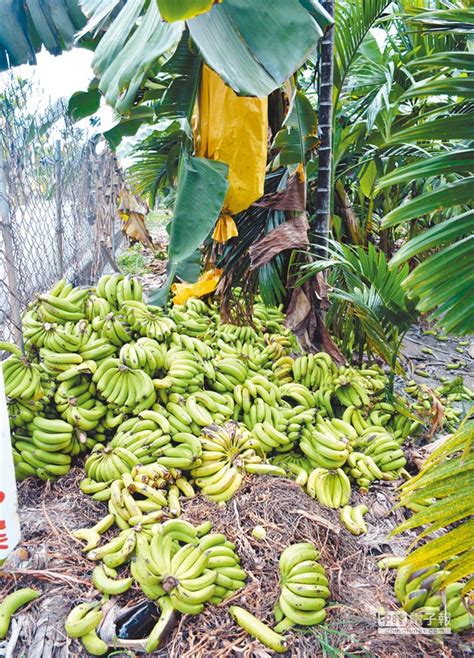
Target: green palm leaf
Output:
{"points": [[354, 18]]}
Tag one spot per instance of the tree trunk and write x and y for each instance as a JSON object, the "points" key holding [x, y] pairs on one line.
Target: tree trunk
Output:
{"points": [[320, 224]]}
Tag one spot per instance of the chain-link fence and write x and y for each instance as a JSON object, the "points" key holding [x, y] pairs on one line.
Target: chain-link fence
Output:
{"points": [[58, 201]]}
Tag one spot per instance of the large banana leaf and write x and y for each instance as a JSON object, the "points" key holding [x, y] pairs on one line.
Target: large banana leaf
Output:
{"points": [[202, 186], [254, 49], [125, 57], [436, 236], [447, 480], [456, 86], [447, 20], [26, 26]]}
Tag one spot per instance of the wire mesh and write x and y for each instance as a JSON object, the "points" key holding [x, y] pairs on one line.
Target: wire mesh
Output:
{"points": [[51, 200]]}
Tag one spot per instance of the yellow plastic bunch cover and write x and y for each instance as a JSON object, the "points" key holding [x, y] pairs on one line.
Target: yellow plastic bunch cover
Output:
{"points": [[232, 129], [206, 284]]}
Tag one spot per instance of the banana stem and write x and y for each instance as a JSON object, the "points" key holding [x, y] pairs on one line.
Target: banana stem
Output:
{"points": [[164, 623]]}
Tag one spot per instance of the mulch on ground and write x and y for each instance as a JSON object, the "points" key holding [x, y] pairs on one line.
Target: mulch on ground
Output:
{"points": [[50, 558]]}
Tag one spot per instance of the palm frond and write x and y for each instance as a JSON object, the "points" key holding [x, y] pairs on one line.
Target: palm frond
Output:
{"points": [[446, 479], [354, 18]]}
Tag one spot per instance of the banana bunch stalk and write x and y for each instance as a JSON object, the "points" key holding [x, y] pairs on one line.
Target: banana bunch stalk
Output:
{"points": [[304, 588]]}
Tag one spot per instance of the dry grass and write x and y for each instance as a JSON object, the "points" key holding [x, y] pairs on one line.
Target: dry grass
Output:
{"points": [[50, 558]]}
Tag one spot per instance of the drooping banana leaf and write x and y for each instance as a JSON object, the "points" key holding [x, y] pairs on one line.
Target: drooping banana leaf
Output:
{"points": [[202, 186], [26, 26], [446, 479]]}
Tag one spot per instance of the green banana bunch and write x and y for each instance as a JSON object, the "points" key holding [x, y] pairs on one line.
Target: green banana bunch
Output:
{"points": [[353, 519], [62, 308], [107, 463], [114, 328], [363, 469], [121, 386], [22, 378], [117, 289], [384, 450], [184, 372], [22, 412], [225, 453], [332, 488], [304, 588], [149, 321], [225, 562], [315, 371], [82, 623], [270, 438], [96, 307], [422, 591], [328, 443], [296, 466], [145, 436], [191, 322], [283, 369], [75, 402], [144, 354]]}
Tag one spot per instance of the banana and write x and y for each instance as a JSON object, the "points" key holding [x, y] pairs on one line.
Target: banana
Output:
{"points": [[258, 629], [83, 619]]}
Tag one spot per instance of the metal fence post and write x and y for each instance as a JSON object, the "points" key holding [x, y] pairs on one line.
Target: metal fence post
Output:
{"points": [[59, 210], [7, 235]]}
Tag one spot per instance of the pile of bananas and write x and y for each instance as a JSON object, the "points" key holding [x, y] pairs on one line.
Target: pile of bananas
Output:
{"points": [[420, 593], [178, 565], [105, 372], [451, 394], [304, 588]]}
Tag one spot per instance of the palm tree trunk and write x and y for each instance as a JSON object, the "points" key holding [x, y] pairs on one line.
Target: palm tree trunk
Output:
{"points": [[320, 224]]}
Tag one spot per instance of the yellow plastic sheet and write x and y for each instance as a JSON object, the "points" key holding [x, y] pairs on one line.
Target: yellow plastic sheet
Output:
{"points": [[225, 229], [232, 129], [206, 284]]}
